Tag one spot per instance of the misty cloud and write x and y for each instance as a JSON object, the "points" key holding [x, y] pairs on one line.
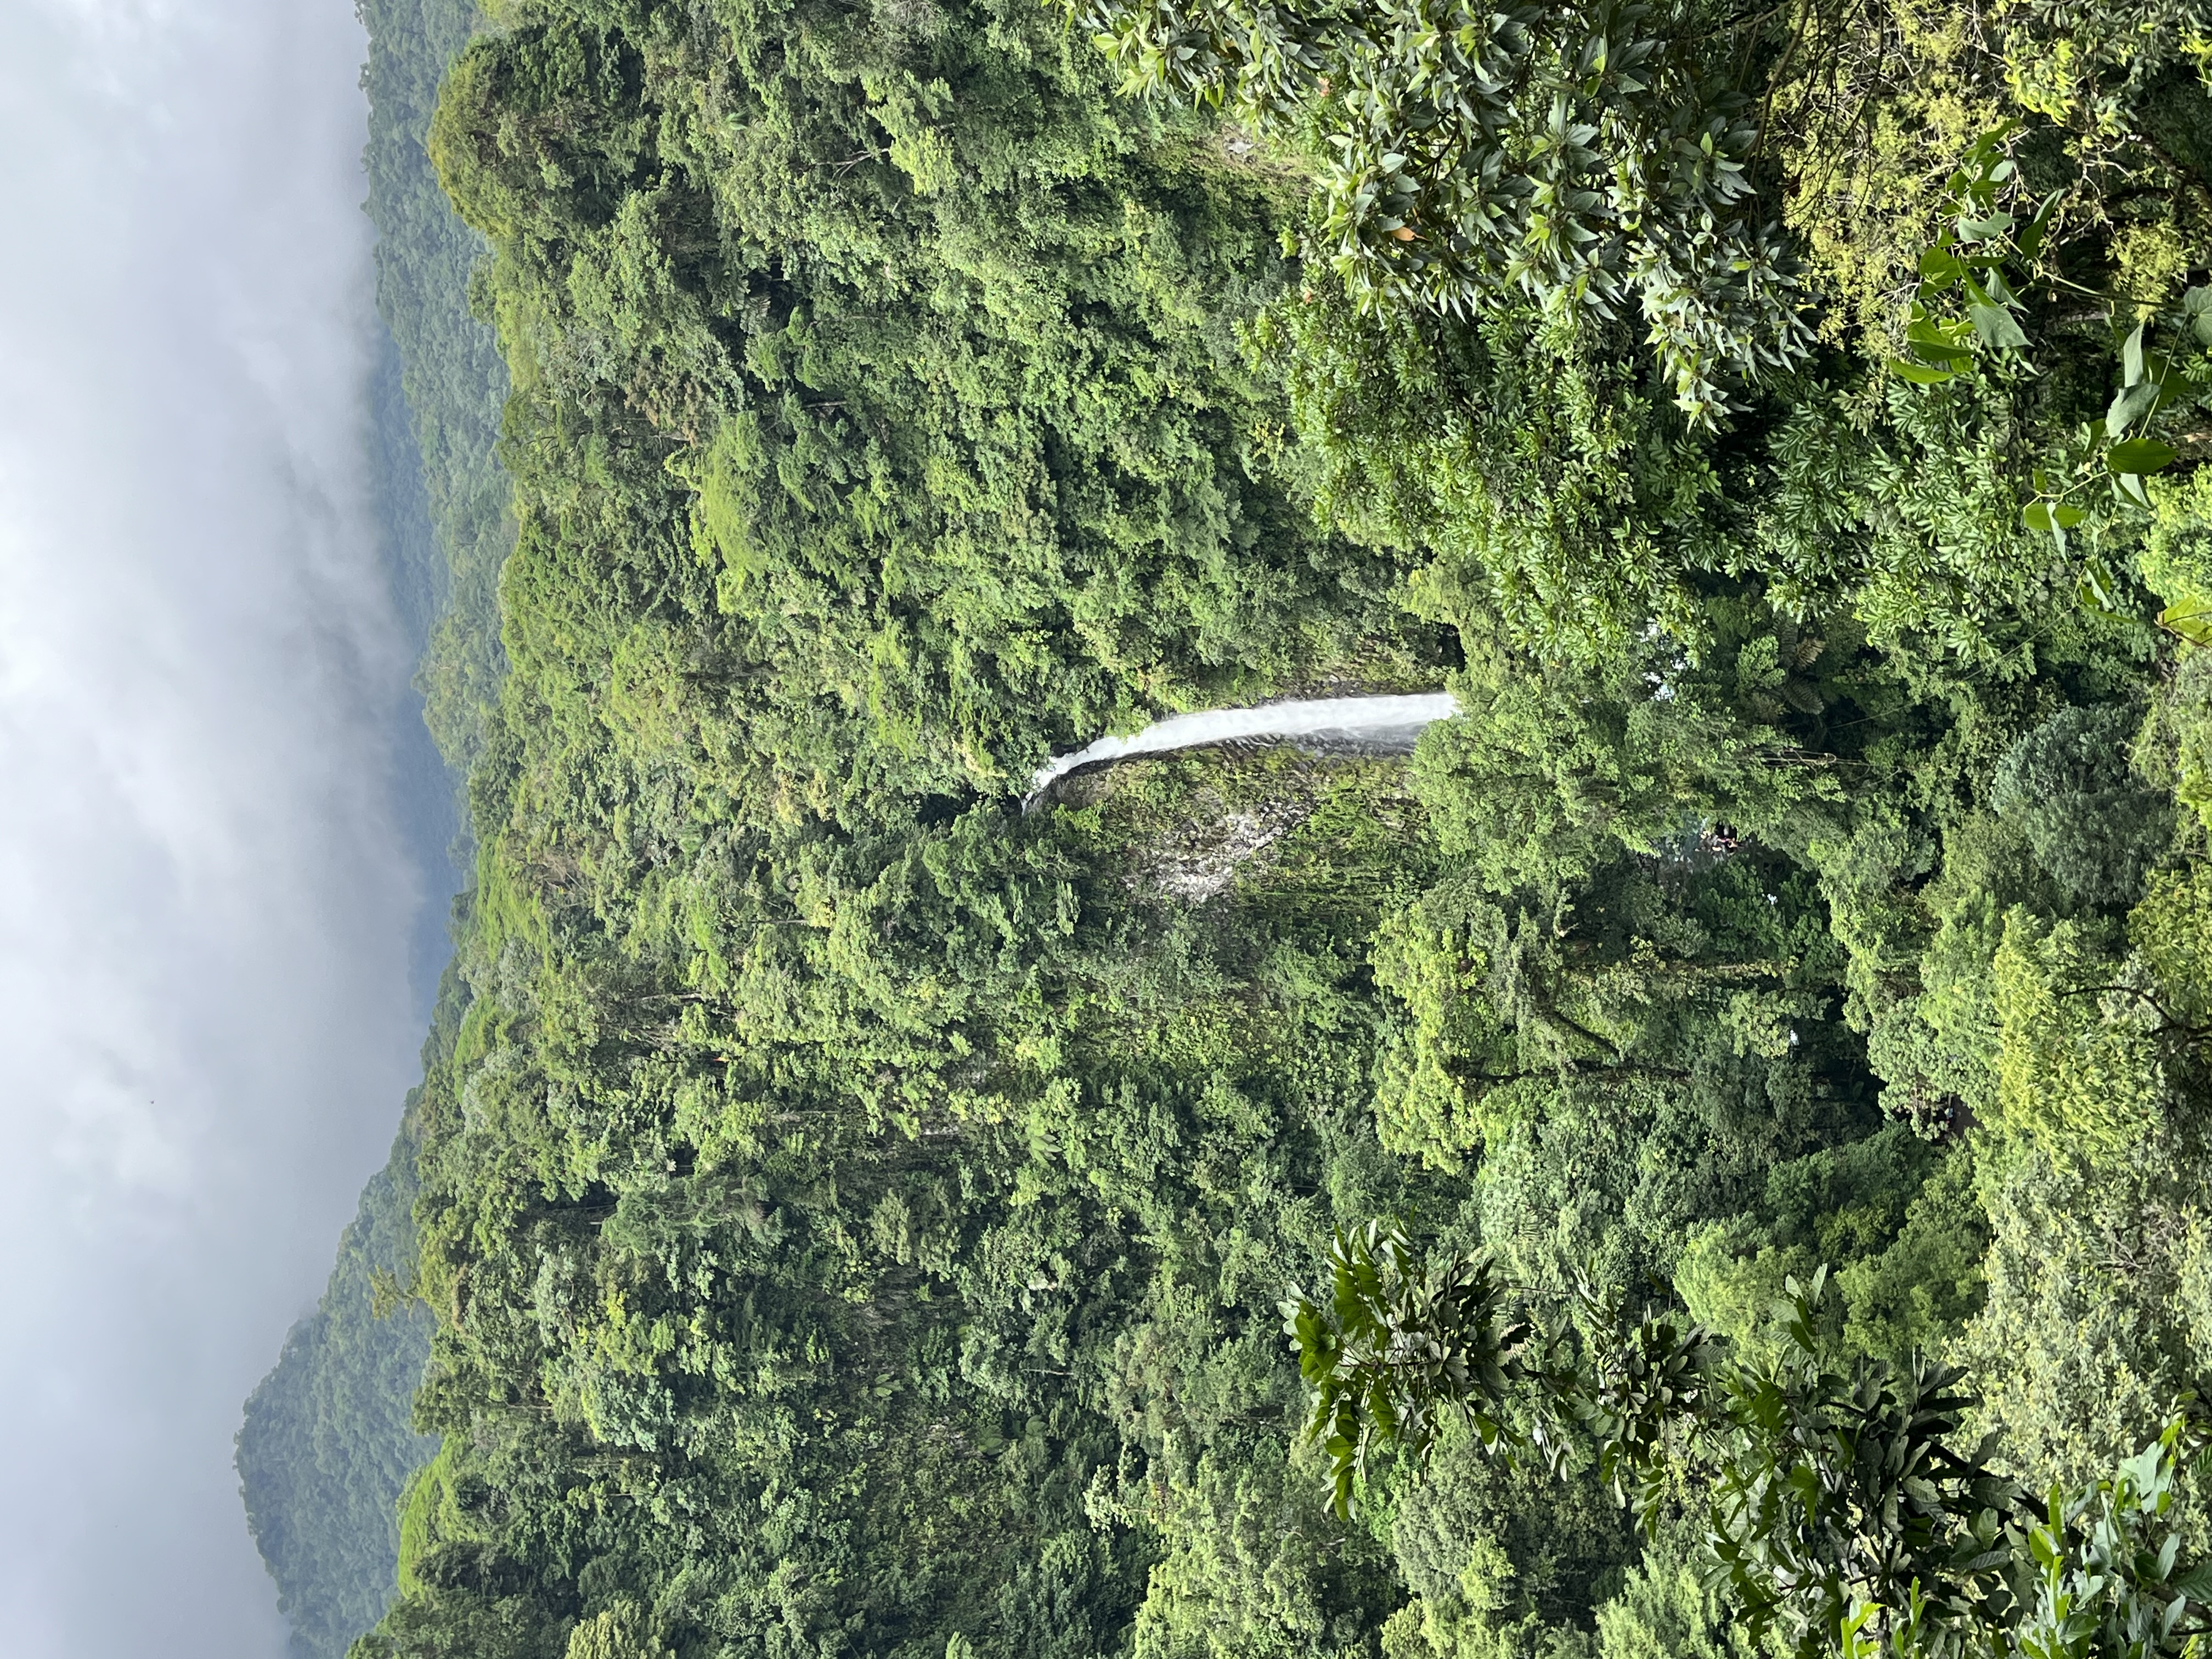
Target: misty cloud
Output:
{"points": [[206, 899]]}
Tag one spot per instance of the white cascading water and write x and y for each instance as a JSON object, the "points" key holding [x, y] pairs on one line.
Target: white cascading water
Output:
{"points": [[1361, 726]]}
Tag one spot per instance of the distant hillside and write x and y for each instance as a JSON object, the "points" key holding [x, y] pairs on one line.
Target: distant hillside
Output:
{"points": [[454, 381], [327, 1445]]}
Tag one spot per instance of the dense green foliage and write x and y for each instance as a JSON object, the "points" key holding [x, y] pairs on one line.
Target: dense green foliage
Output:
{"points": [[1842, 1508], [855, 1210], [1465, 156]]}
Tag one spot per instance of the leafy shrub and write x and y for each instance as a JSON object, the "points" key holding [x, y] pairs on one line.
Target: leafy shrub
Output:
{"points": [[2093, 824]]}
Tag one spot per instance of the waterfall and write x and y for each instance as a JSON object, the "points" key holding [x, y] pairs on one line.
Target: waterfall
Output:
{"points": [[1336, 726]]}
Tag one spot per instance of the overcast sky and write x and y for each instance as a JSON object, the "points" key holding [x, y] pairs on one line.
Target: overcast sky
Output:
{"points": [[206, 1025]]}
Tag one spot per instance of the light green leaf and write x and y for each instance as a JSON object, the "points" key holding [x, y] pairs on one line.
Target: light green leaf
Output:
{"points": [[2129, 406], [1939, 268], [1997, 327], [2196, 313]]}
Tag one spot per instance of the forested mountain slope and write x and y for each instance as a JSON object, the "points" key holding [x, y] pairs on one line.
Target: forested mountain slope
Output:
{"points": [[854, 1212], [326, 1449], [454, 383]]}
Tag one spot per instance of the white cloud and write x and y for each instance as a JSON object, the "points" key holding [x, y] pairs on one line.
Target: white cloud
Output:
{"points": [[206, 903]]}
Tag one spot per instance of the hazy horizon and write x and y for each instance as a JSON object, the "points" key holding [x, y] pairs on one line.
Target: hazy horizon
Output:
{"points": [[215, 883]]}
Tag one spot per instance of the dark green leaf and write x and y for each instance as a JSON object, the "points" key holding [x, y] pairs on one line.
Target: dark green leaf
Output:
{"points": [[2139, 455]]}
